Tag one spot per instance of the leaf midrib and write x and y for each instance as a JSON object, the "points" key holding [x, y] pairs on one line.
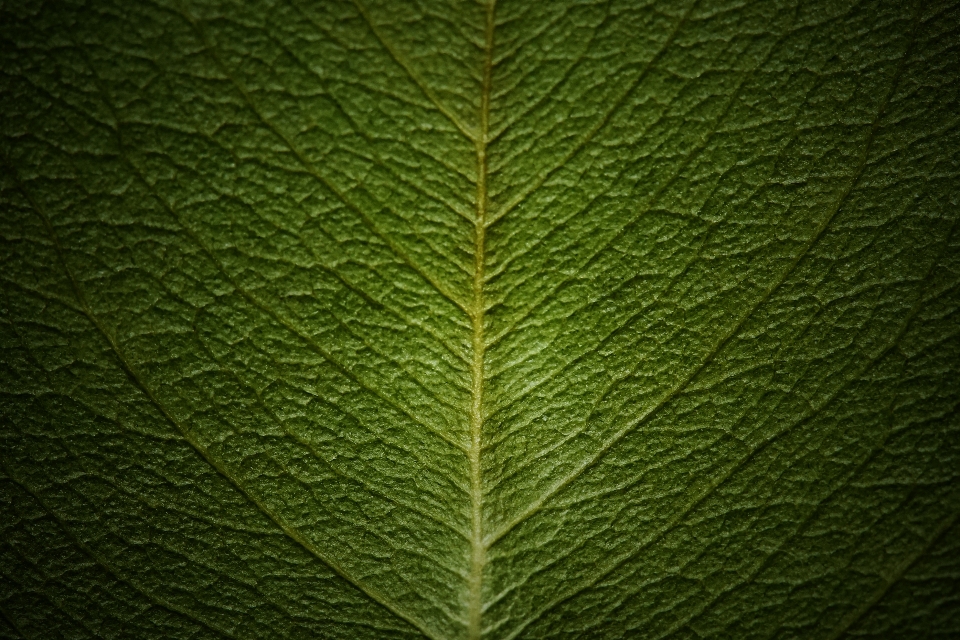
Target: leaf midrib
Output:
{"points": [[478, 546]]}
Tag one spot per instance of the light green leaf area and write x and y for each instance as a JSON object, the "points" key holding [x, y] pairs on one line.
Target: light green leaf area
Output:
{"points": [[436, 318]]}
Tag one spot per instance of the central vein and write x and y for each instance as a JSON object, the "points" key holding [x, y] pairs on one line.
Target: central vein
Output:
{"points": [[478, 551]]}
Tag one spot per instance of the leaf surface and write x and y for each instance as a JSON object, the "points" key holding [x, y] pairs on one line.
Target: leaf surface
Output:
{"points": [[577, 319]]}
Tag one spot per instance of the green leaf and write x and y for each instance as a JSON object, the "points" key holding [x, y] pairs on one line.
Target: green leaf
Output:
{"points": [[392, 319]]}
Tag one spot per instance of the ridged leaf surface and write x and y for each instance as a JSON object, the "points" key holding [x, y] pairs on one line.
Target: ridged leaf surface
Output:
{"points": [[438, 318]]}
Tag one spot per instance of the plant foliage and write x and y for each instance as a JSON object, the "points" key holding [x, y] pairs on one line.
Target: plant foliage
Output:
{"points": [[569, 319]]}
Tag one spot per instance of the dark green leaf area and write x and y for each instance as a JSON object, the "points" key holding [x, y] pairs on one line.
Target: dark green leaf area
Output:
{"points": [[479, 319]]}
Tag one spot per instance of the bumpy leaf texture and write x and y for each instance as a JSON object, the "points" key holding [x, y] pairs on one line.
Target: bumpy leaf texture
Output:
{"points": [[437, 318]]}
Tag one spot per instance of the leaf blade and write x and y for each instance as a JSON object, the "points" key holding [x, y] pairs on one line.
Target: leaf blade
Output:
{"points": [[691, 277]]}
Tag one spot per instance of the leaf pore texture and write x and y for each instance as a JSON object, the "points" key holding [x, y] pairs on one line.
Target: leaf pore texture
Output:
{"points": [[479, 320]]}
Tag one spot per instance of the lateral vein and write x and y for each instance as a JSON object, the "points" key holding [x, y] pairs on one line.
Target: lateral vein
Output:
{"points": [[136, 379], [417, 80]]}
